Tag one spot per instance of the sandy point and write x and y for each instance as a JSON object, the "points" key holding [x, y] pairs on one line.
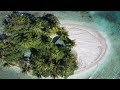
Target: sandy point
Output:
{"points": [[90, 45]]}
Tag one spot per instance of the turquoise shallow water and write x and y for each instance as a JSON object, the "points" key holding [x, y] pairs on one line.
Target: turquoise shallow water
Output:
{"points": [[108, 22]]}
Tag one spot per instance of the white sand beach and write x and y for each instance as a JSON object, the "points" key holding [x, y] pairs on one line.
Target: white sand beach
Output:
{"points": [[90, 45]]}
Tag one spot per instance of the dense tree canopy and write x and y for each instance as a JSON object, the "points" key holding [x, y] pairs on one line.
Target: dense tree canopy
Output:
{"points": [[29, 34]]}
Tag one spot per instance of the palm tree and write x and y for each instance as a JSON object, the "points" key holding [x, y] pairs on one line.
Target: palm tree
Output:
{"points": [[53, 20]]}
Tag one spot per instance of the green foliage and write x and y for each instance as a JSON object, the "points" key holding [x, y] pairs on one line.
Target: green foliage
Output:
{"points": [[47, 58], [52, 20], [19, 20]]}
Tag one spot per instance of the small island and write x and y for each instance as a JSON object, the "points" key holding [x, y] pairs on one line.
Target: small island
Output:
{"points": [[38, 45]]}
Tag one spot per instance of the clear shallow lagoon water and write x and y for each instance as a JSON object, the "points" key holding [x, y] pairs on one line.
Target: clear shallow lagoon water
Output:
{"points": [[107, 22]]}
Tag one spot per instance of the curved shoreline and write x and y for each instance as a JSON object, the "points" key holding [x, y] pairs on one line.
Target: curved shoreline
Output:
{"points": [[96, 35]]}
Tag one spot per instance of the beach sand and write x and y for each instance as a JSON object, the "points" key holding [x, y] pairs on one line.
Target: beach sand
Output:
{"points": [[90, 45]]}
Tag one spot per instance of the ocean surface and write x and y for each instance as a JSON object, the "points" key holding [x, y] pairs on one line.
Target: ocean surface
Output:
{"points": [[107, 22]]}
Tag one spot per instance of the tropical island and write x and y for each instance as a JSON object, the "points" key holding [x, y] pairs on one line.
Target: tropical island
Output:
{"points": [[47, 45], [38, 45]]}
